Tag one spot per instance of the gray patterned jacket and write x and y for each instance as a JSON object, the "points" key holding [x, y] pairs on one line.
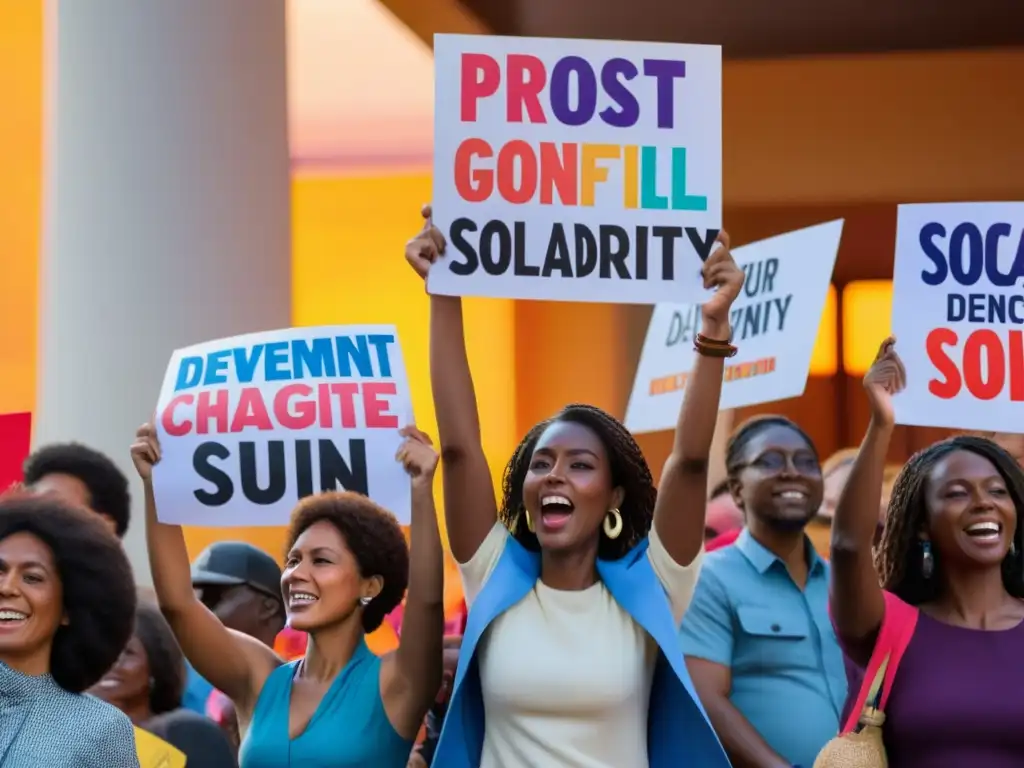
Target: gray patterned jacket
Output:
{"points": [[44, 726]]}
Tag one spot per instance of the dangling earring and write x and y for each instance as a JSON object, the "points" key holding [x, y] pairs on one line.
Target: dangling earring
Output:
{"points": [[613, 524], [927, 561], [529, 520], [365, 601], [1013, 548]]}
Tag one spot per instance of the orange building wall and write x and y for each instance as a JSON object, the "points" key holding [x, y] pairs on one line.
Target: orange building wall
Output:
{"points": [[883, 128]]}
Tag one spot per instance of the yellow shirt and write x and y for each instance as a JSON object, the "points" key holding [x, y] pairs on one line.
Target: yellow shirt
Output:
{"points": [[154, 752]]}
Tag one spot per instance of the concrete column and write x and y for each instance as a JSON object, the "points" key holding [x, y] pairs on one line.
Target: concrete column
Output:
{"points": [[166, 205]]}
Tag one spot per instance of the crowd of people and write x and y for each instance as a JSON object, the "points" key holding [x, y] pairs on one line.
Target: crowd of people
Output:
{"points": [[611, 623]]}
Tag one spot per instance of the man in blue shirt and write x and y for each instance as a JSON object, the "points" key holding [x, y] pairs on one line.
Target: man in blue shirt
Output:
{"points": [[757, 637]]}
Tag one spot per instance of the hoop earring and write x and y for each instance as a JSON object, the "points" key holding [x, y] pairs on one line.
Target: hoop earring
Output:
{"points": [[522, 515], [613, 524], [927, 560], [365, 601]]}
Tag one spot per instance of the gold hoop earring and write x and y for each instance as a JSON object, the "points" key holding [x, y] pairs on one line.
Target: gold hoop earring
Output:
{"points": [[529, 520], [613, 524]]}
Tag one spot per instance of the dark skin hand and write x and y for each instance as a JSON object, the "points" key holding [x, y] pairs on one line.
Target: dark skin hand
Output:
{"points": [[680, 506], [855, 595], [469, 504]]}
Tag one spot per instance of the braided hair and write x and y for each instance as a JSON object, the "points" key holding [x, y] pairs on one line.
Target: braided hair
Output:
{"points": [[896, 559], [736, 448], [629, 471]]}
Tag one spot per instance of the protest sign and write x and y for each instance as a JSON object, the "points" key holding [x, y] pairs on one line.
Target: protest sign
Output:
{"points": [[958, 315], [154, 752], [15, 439], [774, 324], [250, 425], [576, 170]]}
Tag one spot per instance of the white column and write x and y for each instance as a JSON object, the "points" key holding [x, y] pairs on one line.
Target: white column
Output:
{"points": [[167, 205]]}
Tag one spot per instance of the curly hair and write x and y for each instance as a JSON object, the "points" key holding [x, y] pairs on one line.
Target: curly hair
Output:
{"points": [[166, 661], [629, 471], [108, 485], [899, 570], [736, 448], [99, 588], [374, 537]]}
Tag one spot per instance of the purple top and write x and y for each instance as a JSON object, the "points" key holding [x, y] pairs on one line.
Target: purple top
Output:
{"points": [[957, 699]]}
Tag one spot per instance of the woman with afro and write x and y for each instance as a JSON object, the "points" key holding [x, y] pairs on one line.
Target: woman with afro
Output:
{"points": [[347, 566], [578, 576], [951, 549], [67, 605]]}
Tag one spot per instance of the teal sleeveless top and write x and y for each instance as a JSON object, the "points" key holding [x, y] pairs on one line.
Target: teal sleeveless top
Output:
{"points": [[349, 728]]}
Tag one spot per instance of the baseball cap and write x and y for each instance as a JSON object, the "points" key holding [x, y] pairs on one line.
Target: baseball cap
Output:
{"points": [[232, 563]]}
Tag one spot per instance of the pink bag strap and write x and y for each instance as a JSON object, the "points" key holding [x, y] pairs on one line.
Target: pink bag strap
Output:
{"points": [[898, 624]]}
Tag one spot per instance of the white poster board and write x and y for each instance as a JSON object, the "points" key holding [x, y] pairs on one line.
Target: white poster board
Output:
{"points": [[958, 315], [249, 425], [576, 170], [774, 320]]}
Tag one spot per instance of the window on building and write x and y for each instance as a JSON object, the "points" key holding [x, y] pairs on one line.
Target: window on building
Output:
{"points": [[867, 320]]}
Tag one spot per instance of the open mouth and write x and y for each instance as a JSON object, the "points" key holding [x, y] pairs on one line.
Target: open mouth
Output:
{"points": [[987, 532], [301, 599], [555, 512], [11, 619], [792, 495]]}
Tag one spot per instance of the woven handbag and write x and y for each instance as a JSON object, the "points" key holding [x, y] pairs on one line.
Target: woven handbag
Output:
{"points": [[863, 746]]}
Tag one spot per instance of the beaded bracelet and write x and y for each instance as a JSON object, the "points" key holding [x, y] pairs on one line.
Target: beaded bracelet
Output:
{"points": [[703, 345]]}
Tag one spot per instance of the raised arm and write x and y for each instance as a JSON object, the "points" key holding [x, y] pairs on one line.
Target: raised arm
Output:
{"points": [[469, 507], [682, 493], [233, 662], [411, 676], [857, 602]]}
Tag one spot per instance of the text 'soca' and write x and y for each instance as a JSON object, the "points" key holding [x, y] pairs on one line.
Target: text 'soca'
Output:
{"points": [[958, 314]]}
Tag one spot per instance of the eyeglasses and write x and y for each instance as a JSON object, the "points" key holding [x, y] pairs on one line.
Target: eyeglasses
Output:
{"points": [[773, 462]]}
